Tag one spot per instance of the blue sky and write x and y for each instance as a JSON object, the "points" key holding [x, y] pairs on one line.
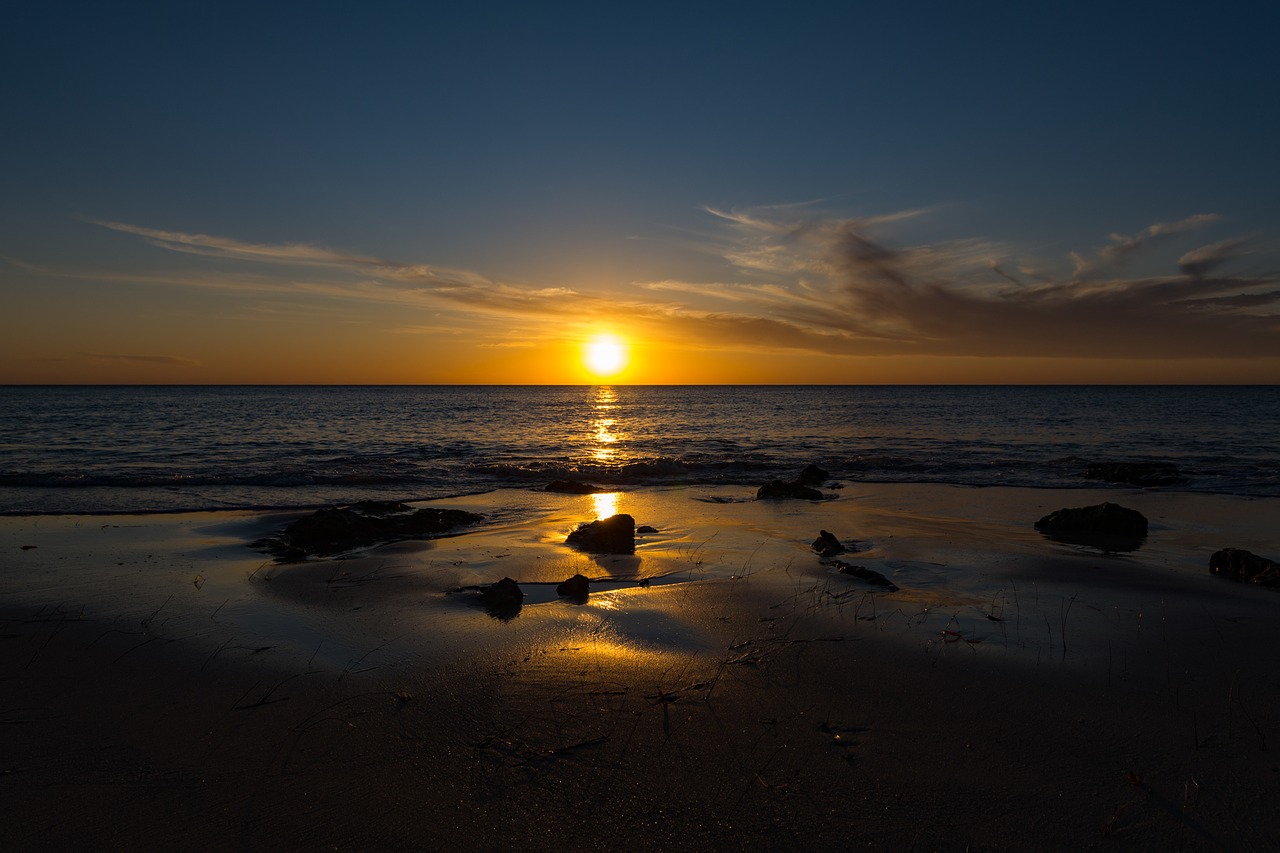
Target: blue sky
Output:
{"points": [[544, 172]]}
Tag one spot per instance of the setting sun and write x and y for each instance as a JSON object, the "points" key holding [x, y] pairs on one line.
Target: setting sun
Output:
{"points": [[604, 355]]}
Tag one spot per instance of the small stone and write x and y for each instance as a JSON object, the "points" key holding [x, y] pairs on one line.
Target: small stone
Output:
{"points": [[577, 587], [865, 574], [506, 593], [827, 545]]}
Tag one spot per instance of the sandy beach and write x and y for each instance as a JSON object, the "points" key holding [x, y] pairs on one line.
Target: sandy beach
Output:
{"points": [[165, 686]]}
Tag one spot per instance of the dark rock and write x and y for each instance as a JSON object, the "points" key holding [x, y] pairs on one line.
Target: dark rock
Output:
{"points": [[1142, 474], [504, 592], [812, 475], [795, 491], [613, 535], [577, 587], [335, 529], [571, 487], [1107, 526], [863, 573], [827, 545], [646, 529], [503, 599], [1238, 564], [1103, 518], [379, 507]]}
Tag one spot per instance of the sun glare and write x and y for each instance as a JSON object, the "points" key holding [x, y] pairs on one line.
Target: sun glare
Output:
{"points": [[604, 355]]}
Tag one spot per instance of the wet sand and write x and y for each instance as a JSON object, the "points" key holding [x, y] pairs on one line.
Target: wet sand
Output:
{"points": [[165, 686]]}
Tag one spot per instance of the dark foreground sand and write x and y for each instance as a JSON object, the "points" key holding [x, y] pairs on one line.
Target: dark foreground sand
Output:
{"points": [[164, 687]]}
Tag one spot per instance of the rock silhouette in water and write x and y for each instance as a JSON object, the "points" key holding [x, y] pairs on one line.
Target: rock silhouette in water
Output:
{"points": [[1238, 564], [503, 599], [613, 535], [793, 491], [361, 525], [863, 573], [577, 588], [812, 475], [571, 487], [827, 545]]}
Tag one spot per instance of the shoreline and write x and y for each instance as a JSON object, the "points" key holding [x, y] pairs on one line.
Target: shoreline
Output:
{"points": [[170, 678]]}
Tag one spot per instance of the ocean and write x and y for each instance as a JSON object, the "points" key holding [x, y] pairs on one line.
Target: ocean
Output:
{"points": [[70, 450]]}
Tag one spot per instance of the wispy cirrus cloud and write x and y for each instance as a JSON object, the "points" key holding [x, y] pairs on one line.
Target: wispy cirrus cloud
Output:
{"points": [[156, 360], [296, 254], [1124, 245], [852, 291], [797, 279]]}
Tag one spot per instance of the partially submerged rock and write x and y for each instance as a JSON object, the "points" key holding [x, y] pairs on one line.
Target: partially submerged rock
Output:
{"points": [[812, 475], [797, 489], [571, 487], [502, 599], [1238, 564], [1142, 474], [863, 573], [1103, 518], [646, 529], [793, 491], [577, 587], [827, 545], [613, 535], [361, 525], [1108, 526]]}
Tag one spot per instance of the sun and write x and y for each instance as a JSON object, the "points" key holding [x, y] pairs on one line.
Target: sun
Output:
{"points": [[604, 355]]}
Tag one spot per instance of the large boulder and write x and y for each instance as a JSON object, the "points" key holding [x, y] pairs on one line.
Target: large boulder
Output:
{"points": [[1102, 518], [1142, 474], [613, 535], [1238, 564], [1107, 526], [794, 491], [335, 529]]}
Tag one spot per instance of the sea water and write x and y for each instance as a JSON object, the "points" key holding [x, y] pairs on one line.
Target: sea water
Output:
{"points": [[145, 448]]}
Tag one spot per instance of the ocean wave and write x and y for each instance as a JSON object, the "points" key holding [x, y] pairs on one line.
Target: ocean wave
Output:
{"points": [[660, 470], [69, 480], [155, 448]]}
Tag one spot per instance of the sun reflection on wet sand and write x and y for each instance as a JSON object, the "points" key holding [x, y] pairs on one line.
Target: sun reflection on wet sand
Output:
{"points": [[606, 503]]}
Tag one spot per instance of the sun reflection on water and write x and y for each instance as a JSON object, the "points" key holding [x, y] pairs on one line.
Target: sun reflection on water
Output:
{"points": [[604, 427]]}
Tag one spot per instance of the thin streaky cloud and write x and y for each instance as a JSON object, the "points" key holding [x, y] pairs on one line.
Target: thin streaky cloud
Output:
{"points": [[162, 360], [838, 286], [1124, 245], [302, 254], [207, 244]]}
